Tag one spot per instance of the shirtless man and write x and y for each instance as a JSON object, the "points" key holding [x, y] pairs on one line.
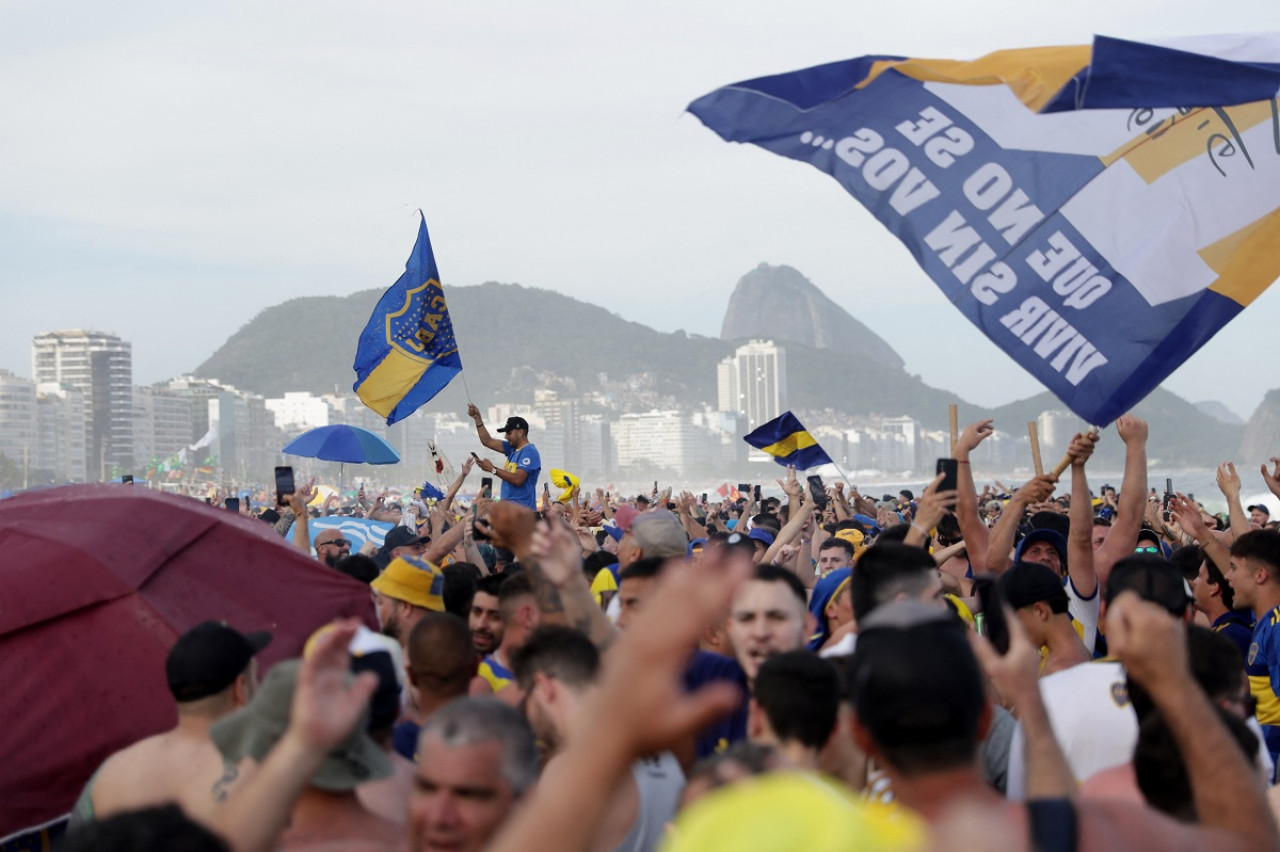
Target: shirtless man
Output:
{"points": [[211, 672]]}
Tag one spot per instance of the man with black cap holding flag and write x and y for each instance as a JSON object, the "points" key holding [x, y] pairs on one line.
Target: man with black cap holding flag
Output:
{"points": [[520, 475], [211, 673]]}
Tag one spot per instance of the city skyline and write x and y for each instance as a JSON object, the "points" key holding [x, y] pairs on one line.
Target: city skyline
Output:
{"points": [[243, 156], [87, 421]]}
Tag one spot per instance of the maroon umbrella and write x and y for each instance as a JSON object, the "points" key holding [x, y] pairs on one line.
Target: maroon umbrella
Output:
{"points": [[96, 583]]}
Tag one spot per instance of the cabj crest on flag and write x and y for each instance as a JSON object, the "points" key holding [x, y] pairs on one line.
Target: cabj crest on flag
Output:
{"points": [[786, 439], [407, 353], [1098, 212]]}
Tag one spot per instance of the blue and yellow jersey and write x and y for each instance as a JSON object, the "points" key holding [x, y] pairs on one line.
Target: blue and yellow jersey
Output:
{"points": [[1263, 669], [1237, 625], [495, 673]]}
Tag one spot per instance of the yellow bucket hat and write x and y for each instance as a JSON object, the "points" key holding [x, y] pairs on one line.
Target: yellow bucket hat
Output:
{"points": [[414, 581]]}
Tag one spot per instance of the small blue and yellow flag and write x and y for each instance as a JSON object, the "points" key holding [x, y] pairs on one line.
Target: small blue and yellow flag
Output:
{"points": [[407, 352], [786, 439]]}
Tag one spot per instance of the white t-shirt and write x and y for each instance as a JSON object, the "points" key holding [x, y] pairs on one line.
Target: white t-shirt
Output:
{"points": [[1084, 613], [1092, 718]]}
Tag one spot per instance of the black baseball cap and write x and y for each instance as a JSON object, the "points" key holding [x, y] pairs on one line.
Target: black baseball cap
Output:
{"points": [[208, 658], [1028, 583], [515, 423]]}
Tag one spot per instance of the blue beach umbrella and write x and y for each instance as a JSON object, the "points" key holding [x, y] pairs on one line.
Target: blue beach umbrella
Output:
{"points": [[345, 445]]}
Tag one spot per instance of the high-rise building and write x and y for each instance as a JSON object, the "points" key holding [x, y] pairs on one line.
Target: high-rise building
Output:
{"points": [[753, 382], [18, 435], [61, 418], [163, 424], [100, 366]]}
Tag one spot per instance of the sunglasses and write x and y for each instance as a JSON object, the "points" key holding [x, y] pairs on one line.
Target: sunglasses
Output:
{"points": [[338, 542], [1149, 548]]}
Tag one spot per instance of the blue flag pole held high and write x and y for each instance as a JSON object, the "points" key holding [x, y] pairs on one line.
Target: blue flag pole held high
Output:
{"points": [[1098, 211], [407, 353], [790, 444]]}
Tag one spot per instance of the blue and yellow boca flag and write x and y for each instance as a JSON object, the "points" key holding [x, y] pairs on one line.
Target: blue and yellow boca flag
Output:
{"points": [[1099, 212], [407, 352], [786, 439]]}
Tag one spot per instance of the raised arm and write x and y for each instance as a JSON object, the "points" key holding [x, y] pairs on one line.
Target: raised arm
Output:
{"points": [[640, 707], [301, 519], [488, 440], [974, 532], [1187, 514], [553, 558], [1229, 485], [1016, 678], [1000, 546], [933, 506], [1152, 645], [327, 705], [1080, 567], [1123, 535], [447, 502]]}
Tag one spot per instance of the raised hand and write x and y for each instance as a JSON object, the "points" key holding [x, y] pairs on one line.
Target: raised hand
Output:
{"points": [[1187, 514], [791, 486], [1272, 478], [1082, 446], [1036, 490], [558, 552], [973, 435], [509, 526], [1150, 642], [1228, 480], [1131, 429], [327, 701], [934, 504], [641, 698]]}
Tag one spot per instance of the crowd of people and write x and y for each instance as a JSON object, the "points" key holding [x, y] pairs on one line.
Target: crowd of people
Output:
{"points": [[966, 668]]}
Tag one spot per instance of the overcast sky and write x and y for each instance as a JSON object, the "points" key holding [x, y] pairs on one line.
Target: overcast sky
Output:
{"points": [[167, 170]]}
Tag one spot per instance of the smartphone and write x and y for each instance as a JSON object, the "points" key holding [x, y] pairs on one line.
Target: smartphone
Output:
{"points": [[284, 485], [476, 532], [744, 489], [127, 479], [209, 500], [757, 493], [546, 488], [704, 498], [993, 614], [486, 486], [655, 486], [950, 470], [232, 504], [818, 491], [1168, 492]]}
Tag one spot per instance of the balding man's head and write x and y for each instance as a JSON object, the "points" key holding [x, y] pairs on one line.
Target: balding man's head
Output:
{"points": [[442, 661]]}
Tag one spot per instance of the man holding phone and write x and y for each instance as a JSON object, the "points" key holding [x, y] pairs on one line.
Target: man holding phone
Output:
{"points": [[520, 475]]}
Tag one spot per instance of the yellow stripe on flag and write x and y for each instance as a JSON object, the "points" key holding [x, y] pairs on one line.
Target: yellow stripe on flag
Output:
{"points": [[1034, 74], [1246, 262], [788, 445], [391, 380]]}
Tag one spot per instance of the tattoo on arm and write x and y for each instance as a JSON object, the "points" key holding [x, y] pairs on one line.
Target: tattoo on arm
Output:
{"points": [[221, 787]]}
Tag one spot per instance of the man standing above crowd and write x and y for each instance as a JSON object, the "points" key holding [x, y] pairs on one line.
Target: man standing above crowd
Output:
{"points": [[520, 475]]}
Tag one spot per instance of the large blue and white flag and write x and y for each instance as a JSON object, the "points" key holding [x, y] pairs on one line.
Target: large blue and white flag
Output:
{"points": [[1098, 212], [356, 530]]}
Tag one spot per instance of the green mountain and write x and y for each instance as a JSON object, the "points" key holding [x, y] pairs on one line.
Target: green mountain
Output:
{"points": [[515, 339]]}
